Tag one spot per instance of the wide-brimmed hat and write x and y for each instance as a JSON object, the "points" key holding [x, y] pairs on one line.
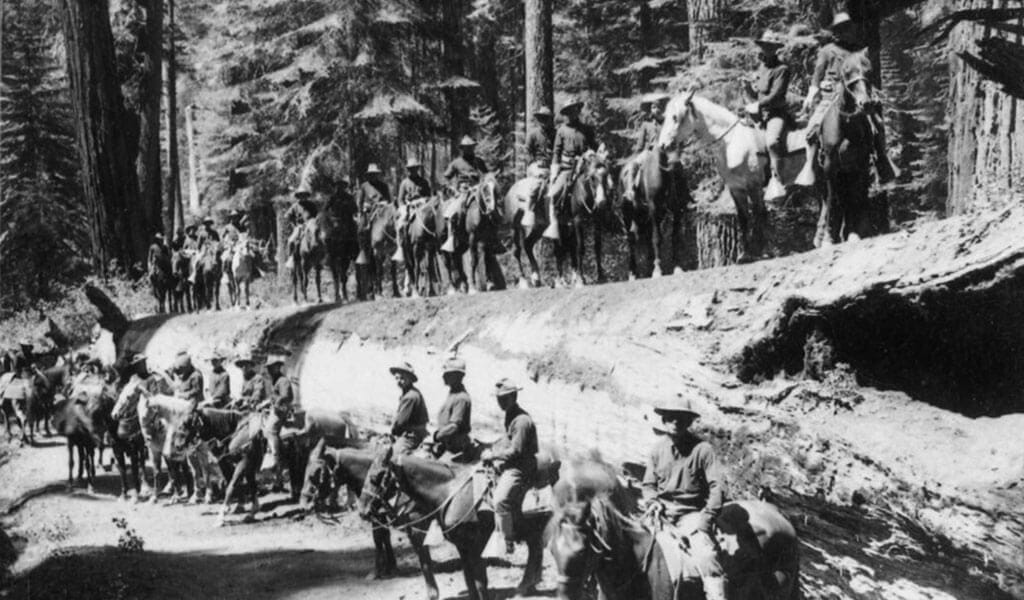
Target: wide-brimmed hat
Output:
{"points": [[841, 18], [504, 387], [413, 163], [218, 356], [245, 357], [683, 407], [136, 358], [454, 365], [770, 40], [208, 221], [572, 103], [302, 191], [653, 98], [373, 169], [404, 367], [181, 361], [543, 111], [466, 141], [277, 357]]}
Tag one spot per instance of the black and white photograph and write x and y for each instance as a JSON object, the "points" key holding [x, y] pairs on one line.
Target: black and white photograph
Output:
{"points": [[512, 299]]}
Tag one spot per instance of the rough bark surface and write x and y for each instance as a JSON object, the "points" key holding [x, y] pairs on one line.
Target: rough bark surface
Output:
{"points": [[109, 180], [986, 137], [539, 59], [174, 202], [702, 16], [147, 163], [719, 240]]}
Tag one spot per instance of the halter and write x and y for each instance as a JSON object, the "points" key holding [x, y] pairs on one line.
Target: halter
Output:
{"points": [[601, 549]]}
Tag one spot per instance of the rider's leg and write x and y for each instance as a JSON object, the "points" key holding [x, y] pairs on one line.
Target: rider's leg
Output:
{"points": [[449, 216], [508, 503], [555, 192], [272, 431], [887, 171], [775, 138], [705, 553]]}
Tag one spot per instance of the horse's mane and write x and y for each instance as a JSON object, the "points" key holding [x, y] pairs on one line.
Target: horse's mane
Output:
{"points": [[593, 486], [712, 108]]}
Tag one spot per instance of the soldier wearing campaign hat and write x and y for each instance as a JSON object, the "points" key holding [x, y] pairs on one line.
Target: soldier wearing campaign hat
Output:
{"points": [[453, 420], [410, 424]]}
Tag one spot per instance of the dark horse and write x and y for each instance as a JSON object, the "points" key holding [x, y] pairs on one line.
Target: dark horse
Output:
{"points": [[592, 536], [99, 398], [587, 202], [160, 279], [525, 233], [845, 156], [331, 469], [439, 491], [377, 242], [661, 192], [181, 286], [421, 245], [476, 233], [71, 421]]}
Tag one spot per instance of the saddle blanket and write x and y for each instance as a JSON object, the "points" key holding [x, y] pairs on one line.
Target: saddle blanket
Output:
{"points": [[680, 563]]}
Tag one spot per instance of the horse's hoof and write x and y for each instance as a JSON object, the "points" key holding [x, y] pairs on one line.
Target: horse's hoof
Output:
{"points": [[472, 291], [194, 499], [238, 509], [208, 499], [249, 518], [677, 271], [451, 291], [523, 285], [122, 498], [221, 522], [90, 489], [632, 277], [853, 237]]}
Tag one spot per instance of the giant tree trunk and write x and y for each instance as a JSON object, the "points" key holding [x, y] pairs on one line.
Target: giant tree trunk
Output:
{"points": [[537, 50], [109, 182], [147, 162], [986, 136], [719, 239], [174, 204], [453, 52], [702, 16], [193, 158]]}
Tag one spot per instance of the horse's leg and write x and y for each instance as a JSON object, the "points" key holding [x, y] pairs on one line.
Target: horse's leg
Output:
{"points": [[597, 252], [579, 232], [90, 469], [236, 476], [534, 561], [416, 538], [394, 279], [529, 246], [474, 569], [834, 217], [138, 468], [122, 468], [316, 271], [384, 558], [71, 464]]}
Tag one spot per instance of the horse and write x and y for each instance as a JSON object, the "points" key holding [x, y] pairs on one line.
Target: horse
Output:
{"points": [[377, 242], [662, 193], [476, 232], [741, 156], [591, 535], [330, 469], [845, 156], [236, 440], [159, 275], [525, 235], [181, 282], [446, 495], [19, 401], [421, 245], [587, 201], [241, 266], [207, 277], [158, 413], [71, 421]]}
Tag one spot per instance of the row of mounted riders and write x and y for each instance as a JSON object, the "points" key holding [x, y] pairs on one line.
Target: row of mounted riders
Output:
{"points": [[590, 527]]}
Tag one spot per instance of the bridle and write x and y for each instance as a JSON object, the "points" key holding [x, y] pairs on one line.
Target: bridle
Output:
{"points": [[705, 144], [601, 552]]}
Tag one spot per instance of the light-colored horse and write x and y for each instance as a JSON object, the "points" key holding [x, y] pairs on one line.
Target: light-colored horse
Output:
{"points": [[741, 156], [158, 412], [240, 268]]}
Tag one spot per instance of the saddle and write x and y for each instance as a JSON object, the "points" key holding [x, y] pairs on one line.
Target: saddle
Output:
{"points": [[674, 542]]}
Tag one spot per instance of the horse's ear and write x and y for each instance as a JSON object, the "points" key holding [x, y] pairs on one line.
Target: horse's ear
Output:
{"points": [[318, 450]]}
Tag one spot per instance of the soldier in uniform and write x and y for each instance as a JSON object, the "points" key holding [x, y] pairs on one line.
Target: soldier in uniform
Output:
{"points": [[769, 107], [652, 107], [515, 459], [539, 144], [684, 485], [462, 173], [571, 142], [128, 426], [299, 212], [254, 386], [373, 189], [824, 87], [220, 383], [208, 236], [413, 187], [410, 423], [277, 406], [188, 381], [453, 421]]}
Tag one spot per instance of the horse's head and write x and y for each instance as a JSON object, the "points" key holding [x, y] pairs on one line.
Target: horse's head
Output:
{"points": [[487, 193], [855, 75], [319, 482], [380, 486], [680, 121], [570, 536], [597, 175]]}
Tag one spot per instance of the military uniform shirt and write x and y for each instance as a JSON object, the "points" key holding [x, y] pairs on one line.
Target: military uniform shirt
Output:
{"points": [[453, 421], [539, 144], [220, 389], [829, 60], [281, 396], [689, 477], [412, 413], [521, 435], [254, 392], [412, 188], [571, 141], [190, 388], [370, 193], [463, 170], [772, 85]]}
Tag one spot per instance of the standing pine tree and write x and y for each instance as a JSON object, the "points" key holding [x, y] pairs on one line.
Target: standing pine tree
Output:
{"points": [[44, 237]]}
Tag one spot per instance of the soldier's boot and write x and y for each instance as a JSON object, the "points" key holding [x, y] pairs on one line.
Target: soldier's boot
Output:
{"points": [[449, 242], [806, 176], [501, 541], [551, 232]]}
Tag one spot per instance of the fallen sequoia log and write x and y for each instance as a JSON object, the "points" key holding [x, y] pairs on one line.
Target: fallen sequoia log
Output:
{"points": [[931, 313]]}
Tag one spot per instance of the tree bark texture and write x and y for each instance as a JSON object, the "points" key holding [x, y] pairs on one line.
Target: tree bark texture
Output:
{"points": [[539, 58], [173, 168], [193, 159], [453, 52], [702, 15], [109, 182], [147, 162], [986, 136], [719, 239]]}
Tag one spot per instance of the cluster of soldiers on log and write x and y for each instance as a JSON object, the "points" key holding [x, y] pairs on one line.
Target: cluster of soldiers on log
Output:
{"points": [[447, 239], [434, 483]]}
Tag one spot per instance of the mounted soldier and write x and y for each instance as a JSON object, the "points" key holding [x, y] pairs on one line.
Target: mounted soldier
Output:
{"points": [[516, 461], [220, 383], [277, 406], [207, 234], [414, 187], [254, 386], [539, 144], [453, 420], [825, 85], [769, 108], [652, 107], [298, 213], [462, 174], [572, 141], [188, 381], [373, 190], [409, 426], [684, 487]]}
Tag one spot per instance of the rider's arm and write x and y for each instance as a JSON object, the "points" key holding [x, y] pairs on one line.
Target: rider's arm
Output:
{"points": [[649, 486], [715, 479], [556, 154], [776, 94], [404, 415], [455, 419], [518, 434]]}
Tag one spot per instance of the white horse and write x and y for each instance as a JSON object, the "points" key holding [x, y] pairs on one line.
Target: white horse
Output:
{"points": [[240, 268], [741, 155]]}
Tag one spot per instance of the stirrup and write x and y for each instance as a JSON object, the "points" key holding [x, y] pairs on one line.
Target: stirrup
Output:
{"points": [[806, 176], [449, 245], [551, 232], [528, 218], [775, 189], [398, 256]]}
